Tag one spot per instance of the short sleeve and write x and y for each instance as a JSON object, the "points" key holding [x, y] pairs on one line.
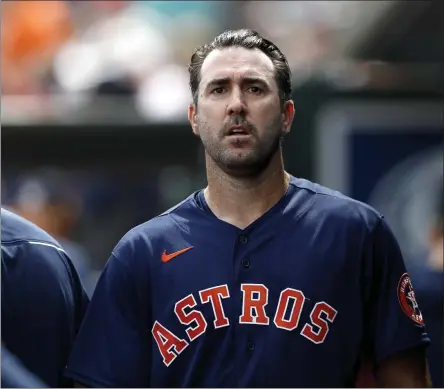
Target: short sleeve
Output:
{"points": [[113, 345], [15, 375], [395, 322], [43, 303]]}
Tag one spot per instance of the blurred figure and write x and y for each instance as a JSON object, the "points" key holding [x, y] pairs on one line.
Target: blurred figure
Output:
{"points": [[50, 200], [43, 300], [428, 278], [15, 375]]}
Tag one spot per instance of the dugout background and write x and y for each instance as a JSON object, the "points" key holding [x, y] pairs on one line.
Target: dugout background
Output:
{"points": [[94, 137], [117, 167]]}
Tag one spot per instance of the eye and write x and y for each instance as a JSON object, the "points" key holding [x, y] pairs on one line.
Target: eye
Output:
{"points": [[217, 91], [255, 89]]}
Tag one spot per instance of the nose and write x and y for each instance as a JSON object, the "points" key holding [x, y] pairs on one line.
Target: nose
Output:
{"points": [[236, 105]]}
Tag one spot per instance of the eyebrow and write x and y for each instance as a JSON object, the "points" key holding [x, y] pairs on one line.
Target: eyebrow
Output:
{"points": [[244, 80]]}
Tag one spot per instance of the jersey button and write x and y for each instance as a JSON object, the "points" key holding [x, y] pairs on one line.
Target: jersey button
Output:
{"points": [[246, 263], [250, 346], [243, 239]]}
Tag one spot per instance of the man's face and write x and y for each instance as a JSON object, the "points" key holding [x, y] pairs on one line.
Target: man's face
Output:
{"points": [[238, 88]]}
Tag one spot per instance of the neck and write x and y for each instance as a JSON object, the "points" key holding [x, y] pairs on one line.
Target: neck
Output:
{"points": [[241, 200]]}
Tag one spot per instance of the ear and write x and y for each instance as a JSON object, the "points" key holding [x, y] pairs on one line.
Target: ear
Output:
{"points": [[287, 116], [192, 118]]}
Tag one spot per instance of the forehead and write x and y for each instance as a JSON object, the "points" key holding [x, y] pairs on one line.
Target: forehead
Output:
{"points": [[236, 62]]}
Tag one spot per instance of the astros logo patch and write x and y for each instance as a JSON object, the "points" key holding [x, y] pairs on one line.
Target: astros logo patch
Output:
{"points": [[407, 300]]}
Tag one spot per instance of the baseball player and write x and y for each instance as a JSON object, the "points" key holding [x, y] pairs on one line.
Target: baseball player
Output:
{"points": [[43, 301], [261, 279]]}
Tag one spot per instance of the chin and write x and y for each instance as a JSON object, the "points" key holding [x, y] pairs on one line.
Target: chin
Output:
{"points": [[243, 162], [243, 166]]}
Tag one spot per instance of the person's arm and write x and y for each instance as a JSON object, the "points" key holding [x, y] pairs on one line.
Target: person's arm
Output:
{"points": [[113, 345], [396, 337], [43, 303]]}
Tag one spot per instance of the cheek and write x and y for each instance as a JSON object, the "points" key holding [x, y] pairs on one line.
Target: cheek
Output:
{"points": [[205, 128], [271, 120], [209, 119], [266, 111], [215, 108]]}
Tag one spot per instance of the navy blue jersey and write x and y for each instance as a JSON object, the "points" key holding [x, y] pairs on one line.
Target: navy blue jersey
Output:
{"points": [[295, 299], [43, 300], [15, 375]]}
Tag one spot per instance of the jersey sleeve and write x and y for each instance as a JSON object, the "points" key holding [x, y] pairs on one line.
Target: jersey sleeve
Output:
{"points": [[15, 375], [113, 345], [43, 302], [394, 321]]}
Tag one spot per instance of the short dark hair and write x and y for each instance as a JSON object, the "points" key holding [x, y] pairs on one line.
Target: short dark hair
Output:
{"points": [[248, 39]]}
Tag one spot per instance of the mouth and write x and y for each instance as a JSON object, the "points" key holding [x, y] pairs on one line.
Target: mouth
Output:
{"points": [[238, 131]]}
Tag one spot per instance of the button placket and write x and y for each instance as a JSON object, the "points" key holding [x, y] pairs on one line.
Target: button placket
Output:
{"points": [[243, 239]]}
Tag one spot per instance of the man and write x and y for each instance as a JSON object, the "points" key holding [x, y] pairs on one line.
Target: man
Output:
{"points": [[43, 300], [261, 279]]}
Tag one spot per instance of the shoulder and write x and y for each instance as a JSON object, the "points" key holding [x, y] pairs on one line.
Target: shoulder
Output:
{"points": [[17, 230], [330, 206], [29, 251], [148, 235], [27, 244], [35, 268]]}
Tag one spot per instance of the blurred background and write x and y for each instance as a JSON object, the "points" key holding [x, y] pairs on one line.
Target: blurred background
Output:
{"points": [[94, 101]]}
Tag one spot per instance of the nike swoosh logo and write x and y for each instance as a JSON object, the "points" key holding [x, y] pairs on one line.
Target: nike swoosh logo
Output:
{"points": [[168, 257]]}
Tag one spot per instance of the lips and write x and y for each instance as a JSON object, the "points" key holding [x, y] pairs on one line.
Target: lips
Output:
{"points": [[238, 130]]}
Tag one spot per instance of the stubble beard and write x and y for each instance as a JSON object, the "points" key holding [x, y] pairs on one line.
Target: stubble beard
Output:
{"points": [[243, 163]]}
